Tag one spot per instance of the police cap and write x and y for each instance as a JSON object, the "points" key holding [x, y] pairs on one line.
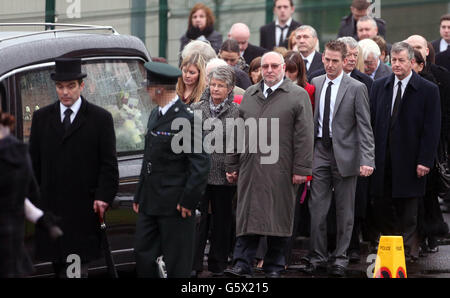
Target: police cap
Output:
{"points": [[159, 73]]}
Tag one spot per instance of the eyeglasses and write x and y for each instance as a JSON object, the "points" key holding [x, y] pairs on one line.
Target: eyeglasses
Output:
{"points": [[274, 66], [218, 86]]}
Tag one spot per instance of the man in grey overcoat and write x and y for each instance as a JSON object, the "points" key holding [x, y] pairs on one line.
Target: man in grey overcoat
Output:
{"points": [[344, 148], [268, 180]]}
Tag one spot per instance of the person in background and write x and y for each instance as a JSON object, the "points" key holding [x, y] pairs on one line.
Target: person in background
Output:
{"points": [[441, 44], [241, 33], [306, 37], [373, 66], [229, 52], [191, 84], [359, 9], [254, 71], [276, 33], [217, 104], [201, 27], [296, 71]]}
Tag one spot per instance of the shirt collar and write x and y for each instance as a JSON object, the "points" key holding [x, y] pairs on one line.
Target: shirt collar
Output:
{"points": [[168, 106], [336, 81], [405, 81], [443, 45], [274, 87], [75, 107], [310, 57], [288, 23]]}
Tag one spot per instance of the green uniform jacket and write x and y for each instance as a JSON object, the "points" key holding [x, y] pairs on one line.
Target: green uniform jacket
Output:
{"points": [[169, 178]]}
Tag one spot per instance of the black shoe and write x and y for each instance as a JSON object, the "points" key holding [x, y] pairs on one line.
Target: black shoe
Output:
{"points": [[273, 274], [308, 269], [354, 257], [217, 274], [337, 271], [237, 271]]}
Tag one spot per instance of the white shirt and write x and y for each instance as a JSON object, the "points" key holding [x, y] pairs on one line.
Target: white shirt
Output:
{"points": [[278, 30], [164, 109], [75, 108], [405, 82], [274, 87], [334, 90], [309, 58], [443, 45]]}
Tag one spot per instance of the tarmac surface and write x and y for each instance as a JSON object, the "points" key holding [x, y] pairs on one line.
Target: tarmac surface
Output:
{"points": [[433, 265]]}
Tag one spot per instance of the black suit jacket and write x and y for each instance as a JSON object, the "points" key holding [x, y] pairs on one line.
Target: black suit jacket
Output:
{"points": [[169, 178], [436, 45], [252, 52], [443, 59], [267, 35], [316, 65], [348, 27], [73, 169]]}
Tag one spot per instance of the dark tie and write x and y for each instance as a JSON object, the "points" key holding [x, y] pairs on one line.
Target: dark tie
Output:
{"points": [[66, 121], [326, 140], [269, 91], [398, 98], [280, 41], [159, 114], [306, 63]]}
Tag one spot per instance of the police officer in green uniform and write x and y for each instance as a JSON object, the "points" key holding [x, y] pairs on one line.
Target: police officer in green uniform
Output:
{"points": [[171, 183]]}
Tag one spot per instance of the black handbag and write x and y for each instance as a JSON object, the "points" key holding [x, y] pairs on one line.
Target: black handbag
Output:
{"points": [[443, 170]]}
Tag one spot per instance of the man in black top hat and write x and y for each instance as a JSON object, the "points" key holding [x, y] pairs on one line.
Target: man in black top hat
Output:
{"points": [[73, 151], [172, 181]]}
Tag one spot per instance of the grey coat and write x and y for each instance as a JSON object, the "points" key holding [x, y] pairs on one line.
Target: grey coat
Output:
{"points": [[266, 195], [353, 142], [217, 174]]}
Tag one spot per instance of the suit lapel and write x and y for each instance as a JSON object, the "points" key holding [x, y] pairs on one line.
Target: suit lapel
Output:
{"points": [[167, 117], [272, 34], [56, 122], [340, 94], [317, 101]]}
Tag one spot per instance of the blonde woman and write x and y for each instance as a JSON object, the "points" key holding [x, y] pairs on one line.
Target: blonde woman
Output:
{"points": [[192, 83]]}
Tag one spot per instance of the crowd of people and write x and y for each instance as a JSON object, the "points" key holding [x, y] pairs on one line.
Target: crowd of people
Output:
{"points": [[359, 131]]}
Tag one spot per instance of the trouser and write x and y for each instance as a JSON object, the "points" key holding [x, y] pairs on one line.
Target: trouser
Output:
{"points": [[219, 197], [245, 251], [170, 236], [326, 177]]}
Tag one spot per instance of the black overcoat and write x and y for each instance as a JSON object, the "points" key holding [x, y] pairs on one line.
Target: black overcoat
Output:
{"points": [[16, 183], [73, 169], [414, 135]]}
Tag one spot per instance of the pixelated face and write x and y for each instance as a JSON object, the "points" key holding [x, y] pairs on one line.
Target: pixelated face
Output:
{"points": [[273, 69], [219, 90], [370, 64], [190, 75], [305, 41], [352, 59], [231, 58], [366, 30], [199, 19], [333, 63], [444, 30]]}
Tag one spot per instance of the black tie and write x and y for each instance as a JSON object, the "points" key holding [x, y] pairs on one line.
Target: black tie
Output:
{"points": [[159, 114], [269, 91], [326, 140], [306, 63], [66, 121], [398, 98], [280, 41]]}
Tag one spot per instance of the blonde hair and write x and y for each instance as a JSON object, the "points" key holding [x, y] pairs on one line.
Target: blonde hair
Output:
{"points": [[196, 60]]}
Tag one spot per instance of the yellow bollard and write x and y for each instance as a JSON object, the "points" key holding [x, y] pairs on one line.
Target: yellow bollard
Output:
{"points": [[390, 262]]}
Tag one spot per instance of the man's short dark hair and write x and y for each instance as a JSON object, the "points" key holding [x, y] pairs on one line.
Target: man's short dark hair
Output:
{"points": [[360, 4], [338, 46], [275, 3], [445, 17], [230, 45]]}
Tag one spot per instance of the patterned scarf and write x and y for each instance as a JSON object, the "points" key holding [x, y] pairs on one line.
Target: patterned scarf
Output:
{"points": [[216, 109]]}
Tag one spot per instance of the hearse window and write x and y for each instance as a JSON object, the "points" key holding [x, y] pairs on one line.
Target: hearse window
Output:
{"points": [[116, 85]]}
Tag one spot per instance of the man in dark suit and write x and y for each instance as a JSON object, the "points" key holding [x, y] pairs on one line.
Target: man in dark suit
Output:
{"points": [[441, 44], [344, 150], [406, 118], [276, 33], [306, 41], [73, 151], [172, 180], [443, 59], [241, 33], [359, 9]]}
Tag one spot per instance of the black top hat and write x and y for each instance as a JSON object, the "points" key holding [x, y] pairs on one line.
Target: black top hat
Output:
{"points": [[161, 73], [67, 69]]}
